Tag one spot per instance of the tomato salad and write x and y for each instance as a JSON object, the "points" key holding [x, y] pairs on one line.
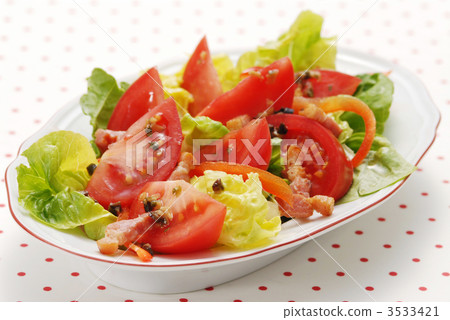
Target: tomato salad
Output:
{"points": [[218, 153]]}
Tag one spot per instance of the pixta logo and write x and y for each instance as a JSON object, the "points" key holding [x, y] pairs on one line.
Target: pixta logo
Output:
{"points": [[146, 154], [249, 151]]}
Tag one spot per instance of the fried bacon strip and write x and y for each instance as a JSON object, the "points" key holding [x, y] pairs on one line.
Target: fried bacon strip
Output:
{"points": [[303, 205], [309, 107], [124, 231], [185, 165]]}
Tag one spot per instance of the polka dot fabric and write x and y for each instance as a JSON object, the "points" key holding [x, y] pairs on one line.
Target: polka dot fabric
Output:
{"points": [[397, 252]]}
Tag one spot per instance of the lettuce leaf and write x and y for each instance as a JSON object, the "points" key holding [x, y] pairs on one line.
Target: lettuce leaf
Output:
{"points": [[275, 165], [225, 70], [251, 221], [302, 43], [95, 230], [102, 97], [200, 128], [376, 90], [347, 131], [382, 167], [172, 88], [48, 187]]}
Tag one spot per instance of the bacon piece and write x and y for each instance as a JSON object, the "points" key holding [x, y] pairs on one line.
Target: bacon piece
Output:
{"points": [[309, 107], [322, 204], [301, 186], [106, 137], [238, 123], [301, 207], [120, 232], [303, 204], [185, 165]]}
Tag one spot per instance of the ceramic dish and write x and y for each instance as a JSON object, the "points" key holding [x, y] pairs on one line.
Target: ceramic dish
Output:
{"points": [[411, 128]]}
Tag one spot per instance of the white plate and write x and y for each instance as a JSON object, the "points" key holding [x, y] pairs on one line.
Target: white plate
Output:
{"points": [[411, 128]]}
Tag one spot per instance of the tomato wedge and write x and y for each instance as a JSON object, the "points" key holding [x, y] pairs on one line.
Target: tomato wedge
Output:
{"points": [[249, 145], [272, 86], [139, 157], [200, 78], [197, 218], [271, 183], [352, 104], [329, 83], [331, 174], [145, 93]]}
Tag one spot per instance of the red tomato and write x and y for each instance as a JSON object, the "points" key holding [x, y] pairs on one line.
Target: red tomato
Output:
{"points": [[197, 218], [130, 162], [280, 84], [332, 177], [145, 93], [200, 78], [256, 93], [249, 145], [330, 83]]}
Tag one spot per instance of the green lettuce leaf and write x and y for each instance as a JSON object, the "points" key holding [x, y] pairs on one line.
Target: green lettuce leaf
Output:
{"points": [[102, 97], [347, 131], [275, 165], [376, 90], [382, 167], [302, 43], [200, 128], [48, 187], [251, 221], [95, 230]]}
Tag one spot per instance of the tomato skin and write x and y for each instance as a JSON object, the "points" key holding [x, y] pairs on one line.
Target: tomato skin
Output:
{"points": [[197, 218], [136, 101], [280, 85], [256, 93], [121, 171], [331, 83], [337, 172], [235, 150], [200, 78]]}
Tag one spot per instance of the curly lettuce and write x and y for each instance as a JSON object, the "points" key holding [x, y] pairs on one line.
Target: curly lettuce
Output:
{"points": [[251, 221]]}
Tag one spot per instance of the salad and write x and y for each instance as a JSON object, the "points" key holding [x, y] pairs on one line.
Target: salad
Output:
{"points": [[219, 153]]}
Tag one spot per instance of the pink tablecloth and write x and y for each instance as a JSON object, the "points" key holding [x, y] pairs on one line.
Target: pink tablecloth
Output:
{"points": [[399, 251]]}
